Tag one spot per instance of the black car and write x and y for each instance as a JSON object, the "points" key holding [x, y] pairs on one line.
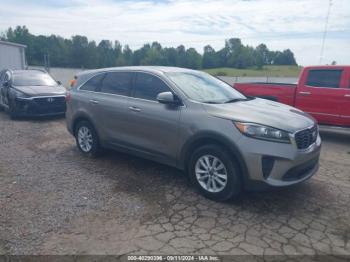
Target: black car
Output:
{"points": [[31, 93]]}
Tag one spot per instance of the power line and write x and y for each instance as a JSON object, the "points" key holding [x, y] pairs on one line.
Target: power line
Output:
{"points": [[325, 31]]}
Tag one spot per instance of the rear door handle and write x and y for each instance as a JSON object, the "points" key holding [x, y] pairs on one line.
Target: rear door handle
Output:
{"points": [[305, 93], [347, 96], [94, 102], [135, 109]]}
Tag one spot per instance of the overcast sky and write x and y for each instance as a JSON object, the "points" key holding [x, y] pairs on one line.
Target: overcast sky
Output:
{"points": [[281, 24]]}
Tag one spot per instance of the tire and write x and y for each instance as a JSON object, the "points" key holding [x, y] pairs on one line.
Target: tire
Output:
{"points": [[89, 145], [225, 188], [2, 108], [12, 112]]}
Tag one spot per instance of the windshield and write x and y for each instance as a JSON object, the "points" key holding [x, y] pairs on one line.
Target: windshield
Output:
{"points": [[205, 88], [33, 79]]}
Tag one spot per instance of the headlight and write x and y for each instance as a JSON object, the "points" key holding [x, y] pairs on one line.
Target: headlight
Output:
{"points": [[263, 132]]}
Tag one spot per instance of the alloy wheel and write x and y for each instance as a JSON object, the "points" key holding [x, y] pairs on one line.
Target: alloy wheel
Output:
{"points": [[85, 139], [211, 173]]}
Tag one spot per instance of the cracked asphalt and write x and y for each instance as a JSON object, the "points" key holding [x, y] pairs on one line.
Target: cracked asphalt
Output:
{"points": [[55, 201]]}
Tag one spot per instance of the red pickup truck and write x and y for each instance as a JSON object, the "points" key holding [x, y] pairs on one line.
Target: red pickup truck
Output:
{"points": [[322, 91]]}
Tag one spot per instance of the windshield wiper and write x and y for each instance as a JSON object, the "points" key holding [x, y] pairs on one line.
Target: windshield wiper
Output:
{"points": [[233, 100], [224, 102], [211, 102]]}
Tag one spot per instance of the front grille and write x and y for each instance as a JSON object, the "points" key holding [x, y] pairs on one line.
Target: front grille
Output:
{"points": [[48, 105], [49, 101], [307, 137]]}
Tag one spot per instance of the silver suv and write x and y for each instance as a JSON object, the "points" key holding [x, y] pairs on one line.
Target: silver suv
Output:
{"points": [[188, 119]]}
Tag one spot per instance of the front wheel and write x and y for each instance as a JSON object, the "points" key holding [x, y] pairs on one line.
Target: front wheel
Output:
{"points": [[87, 139], [215, 173], [12, 111]]}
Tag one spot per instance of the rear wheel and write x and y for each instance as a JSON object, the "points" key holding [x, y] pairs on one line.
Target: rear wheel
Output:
{"points": [[214, 173], [86, 139]]}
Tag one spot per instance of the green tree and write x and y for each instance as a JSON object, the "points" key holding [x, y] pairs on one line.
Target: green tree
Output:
{"points": [[105, 53], [181, 56], [262, 56], [169, 55], [210, 58], [193, 59], [92, 55], [78, 51], [152, 55], [284, 58], [127, 54], [233, 48]]}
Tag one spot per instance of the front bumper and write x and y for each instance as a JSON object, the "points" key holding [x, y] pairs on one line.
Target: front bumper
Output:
{"points": [[40, 106], [276, 164]]}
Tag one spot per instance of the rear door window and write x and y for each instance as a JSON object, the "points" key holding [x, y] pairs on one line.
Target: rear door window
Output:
{"points": [[324, 78], [118, 83], [93, 84], [148, 86]]}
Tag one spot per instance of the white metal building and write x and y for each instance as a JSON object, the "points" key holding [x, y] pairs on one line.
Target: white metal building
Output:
{"points": [[12, 56]]}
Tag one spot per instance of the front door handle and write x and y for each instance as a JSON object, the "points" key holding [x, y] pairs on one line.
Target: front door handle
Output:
{"points": [[347, 96], [135, 109], [305, 93], [94, 102]]}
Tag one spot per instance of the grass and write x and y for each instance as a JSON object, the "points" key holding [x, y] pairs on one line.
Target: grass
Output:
{"points": [[271, 71]]}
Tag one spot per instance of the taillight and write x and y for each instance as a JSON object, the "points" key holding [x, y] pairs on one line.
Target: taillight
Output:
{"points": [[68, 97]]}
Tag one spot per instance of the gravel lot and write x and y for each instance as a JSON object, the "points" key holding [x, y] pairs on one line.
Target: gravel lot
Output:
{"points": [[55, 201]]}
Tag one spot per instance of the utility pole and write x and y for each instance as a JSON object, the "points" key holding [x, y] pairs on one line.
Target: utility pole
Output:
{"points": [[325, 31]]}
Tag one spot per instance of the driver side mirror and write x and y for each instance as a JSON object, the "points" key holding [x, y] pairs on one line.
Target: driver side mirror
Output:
{"points": [[6, 84], [168, 98], [59, 82]]}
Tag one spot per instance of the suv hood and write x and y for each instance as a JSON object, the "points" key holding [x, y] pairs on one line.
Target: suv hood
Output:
{"points": [[41, 90], [264, 112]]}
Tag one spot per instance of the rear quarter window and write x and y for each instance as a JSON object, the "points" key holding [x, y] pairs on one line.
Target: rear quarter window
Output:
{"points": [[324, 78]]}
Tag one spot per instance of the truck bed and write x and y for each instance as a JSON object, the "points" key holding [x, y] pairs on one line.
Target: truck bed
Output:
{"points": [[280, 92]]}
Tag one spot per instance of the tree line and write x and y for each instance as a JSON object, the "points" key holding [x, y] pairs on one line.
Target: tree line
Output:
{"points": [[79, 52]]}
